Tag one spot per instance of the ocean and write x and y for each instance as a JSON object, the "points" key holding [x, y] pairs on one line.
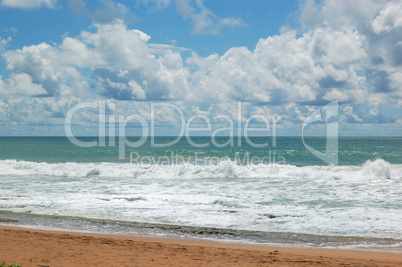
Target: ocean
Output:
{"points": [[227, 189]]}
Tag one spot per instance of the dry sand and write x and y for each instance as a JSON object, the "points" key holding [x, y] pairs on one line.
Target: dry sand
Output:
{"points": [[28, 247]]}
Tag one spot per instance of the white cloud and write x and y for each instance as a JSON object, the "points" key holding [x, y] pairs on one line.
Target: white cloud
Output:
{"points": [[204, 21], [396, 82], [116, 56], [29, 4], [3, 43], [43, 111], [340, 55], [375, 100], [339, 14], [76, 52], [160, 49], [116, 46], [44, 64], [348, 111], [22, 84], [159, 4], [389, 18], [136, 90], [353, 95], [107, 13], [232, 22], [2, 84], [285, 68], [235, 75], [294, 114]]}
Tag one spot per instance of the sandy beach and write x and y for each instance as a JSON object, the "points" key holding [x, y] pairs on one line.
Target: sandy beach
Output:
{"points": [[28, 247]]}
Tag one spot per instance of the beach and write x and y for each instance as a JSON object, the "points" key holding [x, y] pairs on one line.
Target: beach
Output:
{"points": [[29, 247], [200, 133]]}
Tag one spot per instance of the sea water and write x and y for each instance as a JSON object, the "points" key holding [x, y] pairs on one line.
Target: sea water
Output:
{"points": [[279, 194]]}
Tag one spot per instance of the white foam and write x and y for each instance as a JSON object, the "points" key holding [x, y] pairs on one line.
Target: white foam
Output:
{"points": [[378, 168], [337, 200], [371, 170]]}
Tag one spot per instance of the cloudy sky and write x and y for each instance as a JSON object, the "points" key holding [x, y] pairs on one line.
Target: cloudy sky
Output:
{"points": [[276, 58]]}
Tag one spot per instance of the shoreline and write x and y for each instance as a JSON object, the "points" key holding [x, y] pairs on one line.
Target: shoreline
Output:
{"points": [[31, 247], [170, 231]]}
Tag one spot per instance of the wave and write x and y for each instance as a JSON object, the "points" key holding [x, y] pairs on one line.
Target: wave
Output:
{"points": [[376, 169]]}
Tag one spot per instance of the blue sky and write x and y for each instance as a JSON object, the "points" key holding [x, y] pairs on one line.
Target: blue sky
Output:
{"points": [[278, 58], [259, 19]]}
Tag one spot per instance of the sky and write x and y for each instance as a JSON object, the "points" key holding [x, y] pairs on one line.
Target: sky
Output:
{"points": [[165, 61]]}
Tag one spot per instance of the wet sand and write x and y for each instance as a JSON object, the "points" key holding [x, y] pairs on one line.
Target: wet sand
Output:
{"points": [[27, 247]]}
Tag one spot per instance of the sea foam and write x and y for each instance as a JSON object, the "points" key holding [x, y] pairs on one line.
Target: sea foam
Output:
{"points": [[377, 169]]}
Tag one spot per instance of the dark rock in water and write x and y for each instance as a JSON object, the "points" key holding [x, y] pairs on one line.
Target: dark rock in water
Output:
{"points": [[7, 220], [272, 216], [133, 198], [230, 211]]}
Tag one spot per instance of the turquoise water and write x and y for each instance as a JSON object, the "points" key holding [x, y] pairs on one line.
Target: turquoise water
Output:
{"points": [[282, 194], [352, 150]]}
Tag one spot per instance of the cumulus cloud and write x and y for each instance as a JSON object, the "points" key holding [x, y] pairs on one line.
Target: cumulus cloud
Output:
{"points": [[44, 66], [294, 114], [120, 60], [352, 117], [29, 4], [22, 84], [377, 30], [347, 96], [390, 18], [286, 68], [125, 68], [347, 51]]}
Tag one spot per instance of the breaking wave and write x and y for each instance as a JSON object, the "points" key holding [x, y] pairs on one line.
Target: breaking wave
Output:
{"points": [[376, 169]]}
